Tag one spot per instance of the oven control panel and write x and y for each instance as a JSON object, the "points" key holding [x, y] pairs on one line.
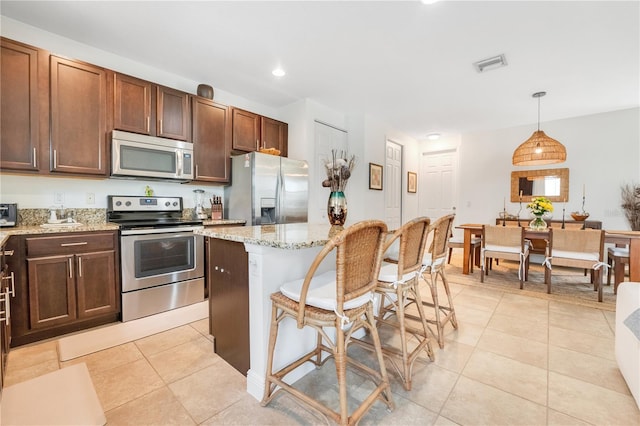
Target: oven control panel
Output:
{"points": [[130, 203]]}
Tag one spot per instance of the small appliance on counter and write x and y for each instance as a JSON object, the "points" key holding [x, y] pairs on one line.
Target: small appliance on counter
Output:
{"points": [[198, 212], [8, 214]]}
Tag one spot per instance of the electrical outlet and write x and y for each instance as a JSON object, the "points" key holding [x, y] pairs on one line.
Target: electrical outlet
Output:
{"points": [[58, 198], [91, 198]]}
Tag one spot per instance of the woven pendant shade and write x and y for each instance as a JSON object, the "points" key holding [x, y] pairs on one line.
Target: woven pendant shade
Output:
{"points": [[539, 149]]}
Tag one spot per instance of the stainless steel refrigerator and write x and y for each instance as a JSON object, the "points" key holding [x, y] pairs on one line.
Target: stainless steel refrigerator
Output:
{"points": [[267, 189]]}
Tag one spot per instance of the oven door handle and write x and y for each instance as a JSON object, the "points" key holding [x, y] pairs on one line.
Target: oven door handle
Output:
{"points": [[145, 231]]}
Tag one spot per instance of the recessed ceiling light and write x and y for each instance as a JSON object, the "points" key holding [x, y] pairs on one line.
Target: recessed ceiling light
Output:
{"points": [[433, 136], [278, 72]]}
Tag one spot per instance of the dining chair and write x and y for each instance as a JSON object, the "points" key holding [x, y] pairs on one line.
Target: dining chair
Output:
{"points": [[433, 265], [617, 259], [398, 289], [508, 243], [458, 242], [340, 303], [576, 248]]}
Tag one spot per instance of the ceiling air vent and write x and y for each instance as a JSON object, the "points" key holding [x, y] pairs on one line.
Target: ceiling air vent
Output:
{"points": [[490, 63]]}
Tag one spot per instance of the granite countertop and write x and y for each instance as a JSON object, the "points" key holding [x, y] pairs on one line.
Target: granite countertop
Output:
{"points": [[289, 236], [222, 222]]}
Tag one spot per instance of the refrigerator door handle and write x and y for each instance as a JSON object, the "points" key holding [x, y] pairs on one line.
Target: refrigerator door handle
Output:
{"points": [[279, 197]]}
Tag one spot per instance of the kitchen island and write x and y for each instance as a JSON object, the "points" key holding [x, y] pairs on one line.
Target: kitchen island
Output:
{"points": [[274, 254]]}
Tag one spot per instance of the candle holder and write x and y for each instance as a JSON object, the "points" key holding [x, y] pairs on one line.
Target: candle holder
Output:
{"points": [[562, 217], [520, 209], [504, 216], [581, 216]]}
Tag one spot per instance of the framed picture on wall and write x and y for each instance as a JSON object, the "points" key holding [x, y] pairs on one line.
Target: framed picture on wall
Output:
{"points": [[375, 176], [412, 182]]}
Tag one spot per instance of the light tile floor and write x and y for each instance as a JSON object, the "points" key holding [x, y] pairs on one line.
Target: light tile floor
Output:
{"points": [[515, 360]]}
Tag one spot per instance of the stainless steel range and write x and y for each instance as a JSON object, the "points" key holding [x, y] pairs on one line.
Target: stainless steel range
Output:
{"points": [[162, 260]]}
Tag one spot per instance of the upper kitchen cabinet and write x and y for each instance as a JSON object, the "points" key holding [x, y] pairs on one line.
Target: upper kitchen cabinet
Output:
{"points": [[274, 134], [79, 117], [23, 105], [143, 107], [252, 132], [211, 140]]}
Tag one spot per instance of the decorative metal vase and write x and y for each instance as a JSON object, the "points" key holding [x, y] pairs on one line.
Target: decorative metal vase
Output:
{"points": [[538, 223], [337, 208]]}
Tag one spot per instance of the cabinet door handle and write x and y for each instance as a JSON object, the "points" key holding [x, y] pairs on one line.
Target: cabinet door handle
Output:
{"points": [[70, 268], [8, 252], [148, 124], [81, 243], [35, 164], [160, 132], [79, 266], [55, 159], [13, 284]]}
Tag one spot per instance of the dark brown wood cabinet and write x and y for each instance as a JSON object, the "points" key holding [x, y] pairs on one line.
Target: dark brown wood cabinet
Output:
{"points": [[252, 132], [70, 283], [144, 107], [228, 283], [6, 292], [78, 117], [211, 140], [274, 134], [132, 104], [23, 105]]}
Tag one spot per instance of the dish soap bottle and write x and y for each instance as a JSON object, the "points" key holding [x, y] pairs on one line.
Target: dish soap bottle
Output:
{"points": [[148, 192]]}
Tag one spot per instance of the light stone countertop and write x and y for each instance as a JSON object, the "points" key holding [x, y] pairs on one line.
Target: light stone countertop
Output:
{"points": [[223, 222], [292, 236]]}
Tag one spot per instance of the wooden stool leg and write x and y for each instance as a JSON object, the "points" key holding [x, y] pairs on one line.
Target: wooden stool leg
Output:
{"points": [[273, 334]]}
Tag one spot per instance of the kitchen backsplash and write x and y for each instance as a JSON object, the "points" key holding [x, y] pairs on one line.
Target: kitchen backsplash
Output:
{"points": [[35, 217]]}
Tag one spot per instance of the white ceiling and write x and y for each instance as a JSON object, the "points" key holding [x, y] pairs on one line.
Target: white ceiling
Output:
{"points": [[403, 62]]}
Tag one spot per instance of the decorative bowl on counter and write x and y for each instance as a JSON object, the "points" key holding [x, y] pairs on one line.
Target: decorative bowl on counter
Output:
{"points": [[579, 216]]}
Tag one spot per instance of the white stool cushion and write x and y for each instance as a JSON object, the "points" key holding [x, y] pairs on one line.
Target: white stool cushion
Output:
{"points": [[322, 292], [627, 339], [389, 273]]}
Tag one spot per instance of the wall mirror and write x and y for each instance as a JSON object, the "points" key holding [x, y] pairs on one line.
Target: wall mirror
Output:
{"points": [[550, 183]]}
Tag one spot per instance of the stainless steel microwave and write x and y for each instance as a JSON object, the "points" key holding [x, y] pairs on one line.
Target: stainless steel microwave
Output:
{"points": [[142, 156]]}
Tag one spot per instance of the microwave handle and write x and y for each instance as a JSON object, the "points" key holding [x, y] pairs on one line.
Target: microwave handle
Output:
{"points": [[179, 161]]}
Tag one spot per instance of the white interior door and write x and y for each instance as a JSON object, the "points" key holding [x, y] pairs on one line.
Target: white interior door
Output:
{"points": [[393, 185], [437, 184], [327, 137]]}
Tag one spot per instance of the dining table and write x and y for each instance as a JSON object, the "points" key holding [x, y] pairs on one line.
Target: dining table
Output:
{"points": [[620, 237]]}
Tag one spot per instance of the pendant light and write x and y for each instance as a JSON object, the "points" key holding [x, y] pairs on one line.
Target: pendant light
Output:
{"points": [[539, 148]]}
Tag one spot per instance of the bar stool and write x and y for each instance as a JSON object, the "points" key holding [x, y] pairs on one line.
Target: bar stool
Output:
{"points": [[340, 300], [434, 266], [398, 290]]}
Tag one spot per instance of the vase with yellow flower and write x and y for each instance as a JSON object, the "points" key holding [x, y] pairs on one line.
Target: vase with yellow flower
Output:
{"points": [[539, 206]]}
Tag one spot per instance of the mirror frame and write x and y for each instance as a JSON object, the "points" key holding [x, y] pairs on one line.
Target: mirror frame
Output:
{"points": [[563, 174]]}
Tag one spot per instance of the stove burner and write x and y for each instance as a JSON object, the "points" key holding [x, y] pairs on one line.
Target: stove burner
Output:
{"points": [[133, 212]]}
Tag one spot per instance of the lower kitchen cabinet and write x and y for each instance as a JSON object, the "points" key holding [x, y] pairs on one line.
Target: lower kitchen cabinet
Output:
{"points": [[228, 282], [71, 284]]}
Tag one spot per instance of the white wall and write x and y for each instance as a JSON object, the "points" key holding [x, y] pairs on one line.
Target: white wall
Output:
{"points": [[603, 152]]}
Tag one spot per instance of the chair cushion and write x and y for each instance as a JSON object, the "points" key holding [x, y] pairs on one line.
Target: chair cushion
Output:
{"points": [[427, 261], [618, 251], [578, 255], [389, 273], [505, 249], [460, 240], [322, 292]]}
